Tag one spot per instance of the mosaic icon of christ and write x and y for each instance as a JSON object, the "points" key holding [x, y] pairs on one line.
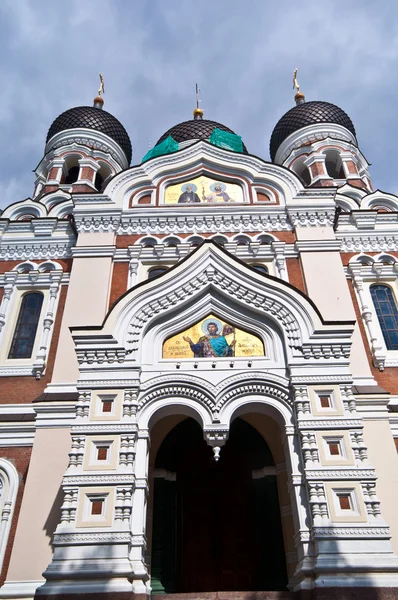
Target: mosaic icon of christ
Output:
{"points": [[213, 343]]}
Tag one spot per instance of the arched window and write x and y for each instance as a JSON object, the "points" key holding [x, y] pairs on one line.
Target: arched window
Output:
{"points": [[334, 166], [99, 180], [303, 172], [8, 492], [26, 327], [261, 268], [152, 273], [72, 175], [387, 313]]}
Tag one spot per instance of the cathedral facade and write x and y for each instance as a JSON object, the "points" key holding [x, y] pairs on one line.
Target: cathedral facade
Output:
{"points": [[199, 366]]}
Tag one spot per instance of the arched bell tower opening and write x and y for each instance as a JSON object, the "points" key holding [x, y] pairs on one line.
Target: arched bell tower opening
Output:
{"points": [[214, 525]]}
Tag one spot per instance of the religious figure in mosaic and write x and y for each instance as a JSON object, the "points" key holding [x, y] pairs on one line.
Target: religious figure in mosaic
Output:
{"points": [[218, 194], [212, 337], [203, 190], [213, 343], [189, 195]]}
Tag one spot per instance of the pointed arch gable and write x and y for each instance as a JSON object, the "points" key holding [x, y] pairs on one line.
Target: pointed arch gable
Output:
{"points": [[205, 158], [212, 273]]}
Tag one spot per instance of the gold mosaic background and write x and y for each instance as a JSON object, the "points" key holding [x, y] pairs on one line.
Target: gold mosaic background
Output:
{"points": [[246, 343], [205, 193]]}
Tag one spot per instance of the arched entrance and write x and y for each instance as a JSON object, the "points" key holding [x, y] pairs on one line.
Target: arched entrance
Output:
{"points": [[216, 525]]}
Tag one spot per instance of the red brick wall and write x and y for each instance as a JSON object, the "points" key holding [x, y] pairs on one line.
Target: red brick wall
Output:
{"points": [[119, 281], [20, 390], [20, 458], [295, 273]]}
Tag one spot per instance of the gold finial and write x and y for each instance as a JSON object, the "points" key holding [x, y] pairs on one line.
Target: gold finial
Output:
{"points": [[299, 96], [198, 112], [99, 101]]}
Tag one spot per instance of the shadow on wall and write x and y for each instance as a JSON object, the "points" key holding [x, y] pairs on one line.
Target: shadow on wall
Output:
{"points": [[54, 516]]}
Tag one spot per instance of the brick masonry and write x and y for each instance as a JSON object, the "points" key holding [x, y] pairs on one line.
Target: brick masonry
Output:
{"points": [[20, 458]]}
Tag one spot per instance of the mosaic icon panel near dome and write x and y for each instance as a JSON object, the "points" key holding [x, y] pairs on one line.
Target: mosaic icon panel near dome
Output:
{"points": [[213, 337], [204, 190]]}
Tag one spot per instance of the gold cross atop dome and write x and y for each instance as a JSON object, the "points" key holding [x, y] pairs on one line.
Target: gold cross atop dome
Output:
{"points": [[299, 96]]}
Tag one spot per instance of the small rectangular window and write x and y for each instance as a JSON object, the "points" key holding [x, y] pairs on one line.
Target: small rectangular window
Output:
{"points": [[345, 501], [334, 448], [107, 405], [325, 401], [102, 452], [97, 506]]}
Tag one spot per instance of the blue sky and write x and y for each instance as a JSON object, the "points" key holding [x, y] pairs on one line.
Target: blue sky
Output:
{"points": [[152, 52]]}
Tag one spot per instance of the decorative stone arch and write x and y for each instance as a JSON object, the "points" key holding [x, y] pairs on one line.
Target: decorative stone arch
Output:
{"points": [[205, 158], [178, 403], [28, 209], [346, 203], [355, 193], [210, 277], [9, 482], [379, 200], [53, 200]]}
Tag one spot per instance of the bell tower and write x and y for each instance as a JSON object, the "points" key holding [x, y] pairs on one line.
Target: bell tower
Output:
{"points": [[85, 147], [317, 140]]}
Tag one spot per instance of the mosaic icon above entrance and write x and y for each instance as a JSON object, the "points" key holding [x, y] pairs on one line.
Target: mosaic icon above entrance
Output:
{"points": [[212, 338], [203, 190]]}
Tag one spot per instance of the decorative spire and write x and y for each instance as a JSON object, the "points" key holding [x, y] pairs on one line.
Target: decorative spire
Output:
{"points": [[198, 112], [299, 97], [98, 100]]}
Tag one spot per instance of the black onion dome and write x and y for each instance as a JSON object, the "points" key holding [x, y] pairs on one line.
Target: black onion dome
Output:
{"points": [[195, 129], [89, 117], [307, 113]]}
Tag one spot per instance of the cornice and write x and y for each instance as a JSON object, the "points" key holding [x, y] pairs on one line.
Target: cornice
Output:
{"points": [[309, 135], [368, 242], [339, 474], [317, 245], [88, 137], [311, 216], [241, 219], [24, 251], [93, 251], [371, 218]]}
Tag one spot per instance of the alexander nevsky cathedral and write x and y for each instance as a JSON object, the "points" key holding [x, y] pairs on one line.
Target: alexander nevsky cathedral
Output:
{"points": [[199, 366]]}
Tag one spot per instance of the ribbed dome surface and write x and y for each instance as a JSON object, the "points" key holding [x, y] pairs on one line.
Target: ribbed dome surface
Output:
{"points": [[195, 129], [89, 117], [308, 113]]}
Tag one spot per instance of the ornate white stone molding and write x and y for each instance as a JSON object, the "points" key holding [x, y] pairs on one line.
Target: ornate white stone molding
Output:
{"points": [[31, 277], [9, 483], [363, 271]]}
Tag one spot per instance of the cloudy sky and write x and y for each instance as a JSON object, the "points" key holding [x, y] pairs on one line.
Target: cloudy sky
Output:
{"points": [[152, 52]]}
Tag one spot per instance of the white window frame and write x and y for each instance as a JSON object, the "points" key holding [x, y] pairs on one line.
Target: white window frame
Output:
{"points": [[29, 277], [363, 277]]}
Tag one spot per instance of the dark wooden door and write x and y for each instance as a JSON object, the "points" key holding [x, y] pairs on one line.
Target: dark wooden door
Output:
{"points": [[215, 545], [216, 527]]}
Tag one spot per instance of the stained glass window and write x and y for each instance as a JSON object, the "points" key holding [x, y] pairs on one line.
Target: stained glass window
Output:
{"points": [[26, 327], [387, 313]]}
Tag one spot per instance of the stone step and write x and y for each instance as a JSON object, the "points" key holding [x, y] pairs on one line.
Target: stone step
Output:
{"points": [[228, 596]]}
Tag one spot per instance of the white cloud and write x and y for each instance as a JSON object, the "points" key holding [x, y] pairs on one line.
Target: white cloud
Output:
{"points": [[152, 52]]}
